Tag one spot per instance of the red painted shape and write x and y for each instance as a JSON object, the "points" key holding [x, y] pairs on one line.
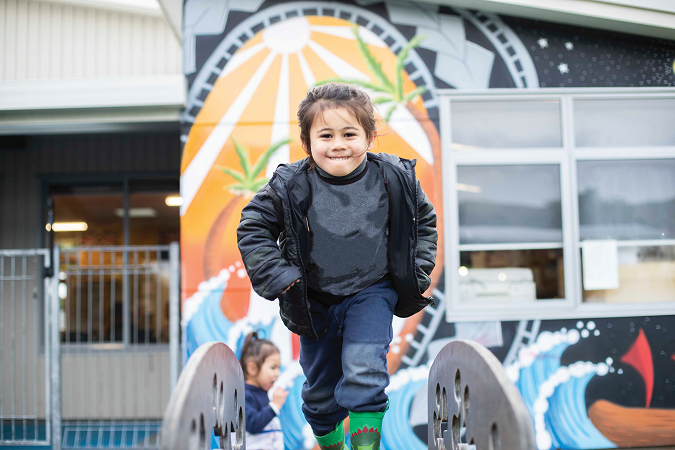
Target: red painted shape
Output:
{"points": [[295, 344], [639, 356], [672, 356]]}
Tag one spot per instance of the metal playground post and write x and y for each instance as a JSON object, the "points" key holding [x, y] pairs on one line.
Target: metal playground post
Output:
{"points": [[209, 396], [468, 388], [472, 403]]}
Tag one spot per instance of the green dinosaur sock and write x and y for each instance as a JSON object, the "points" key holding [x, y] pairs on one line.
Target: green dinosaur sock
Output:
{"points": [[366, 429], [335, 440]]}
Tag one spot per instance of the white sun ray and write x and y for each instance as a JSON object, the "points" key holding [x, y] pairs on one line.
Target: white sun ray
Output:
{"points": [[404, 123], [368, 36], [201, 164], [280, 127], [240, 58], [307, 74], [341, 67], [288, 36]]}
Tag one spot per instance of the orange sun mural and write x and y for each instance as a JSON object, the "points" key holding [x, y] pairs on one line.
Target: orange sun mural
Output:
{"points": [[247, 126]]}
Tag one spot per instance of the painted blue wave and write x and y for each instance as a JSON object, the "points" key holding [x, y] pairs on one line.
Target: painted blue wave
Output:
{"points": [[207, 324], [566, 419], [541, 370], [292, 419], [396, 430]]}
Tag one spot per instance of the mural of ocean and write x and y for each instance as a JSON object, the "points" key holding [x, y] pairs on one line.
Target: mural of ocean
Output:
{"points": [[554, 394]]}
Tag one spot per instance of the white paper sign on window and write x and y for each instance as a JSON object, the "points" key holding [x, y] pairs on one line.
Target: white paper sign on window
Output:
{"points": [[601, 265]]}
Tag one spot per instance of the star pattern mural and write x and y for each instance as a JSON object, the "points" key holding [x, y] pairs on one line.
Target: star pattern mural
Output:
{"points": [[568, 56]]}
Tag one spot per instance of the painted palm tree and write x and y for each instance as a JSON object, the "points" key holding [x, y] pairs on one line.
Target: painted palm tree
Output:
{"points": [[247, 182], [390, 94], [385, 90]]}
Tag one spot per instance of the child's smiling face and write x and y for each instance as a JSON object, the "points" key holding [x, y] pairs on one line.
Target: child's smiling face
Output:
{"points": [[338, 142]]}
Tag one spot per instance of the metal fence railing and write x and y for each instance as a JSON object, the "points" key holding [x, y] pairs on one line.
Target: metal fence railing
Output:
{"points": [[24, 348], [90, 354], [119, 343]]}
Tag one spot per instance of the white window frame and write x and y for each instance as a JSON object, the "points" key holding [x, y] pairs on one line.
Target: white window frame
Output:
{"points": [[566, 157]]}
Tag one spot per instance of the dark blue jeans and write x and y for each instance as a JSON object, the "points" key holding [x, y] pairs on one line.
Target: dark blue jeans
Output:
{"points": [[346, 368]]}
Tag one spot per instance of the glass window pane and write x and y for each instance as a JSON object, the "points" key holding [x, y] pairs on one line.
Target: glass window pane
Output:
{"points": [[154, 219], [511, 276], [91, 216], [509, 204], [627, 200], [624, 122], [505, 124], [151, 220], [646, 274]]}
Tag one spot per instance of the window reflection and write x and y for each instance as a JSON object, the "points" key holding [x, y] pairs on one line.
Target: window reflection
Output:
{"points": [[646, 274], [626, 200], [93, 205], [631, 202], [156, 223], [509, 204], [116, 296], [511, 276], [624, 122], [505, 124]]}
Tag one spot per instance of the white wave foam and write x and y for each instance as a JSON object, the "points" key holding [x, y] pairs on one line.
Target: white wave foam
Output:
{"points": [[544, 343], [191, 304], [407, 375], [547, 389]]}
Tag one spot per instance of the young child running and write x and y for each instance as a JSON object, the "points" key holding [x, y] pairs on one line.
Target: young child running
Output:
{"points": [[260, 361], [345, 239]]}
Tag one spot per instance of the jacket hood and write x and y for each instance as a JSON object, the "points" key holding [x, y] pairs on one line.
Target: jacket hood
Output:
{"points": [[286, 171]]}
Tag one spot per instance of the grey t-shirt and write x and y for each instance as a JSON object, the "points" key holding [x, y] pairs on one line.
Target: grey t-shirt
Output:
{"points": [[349, 226]]}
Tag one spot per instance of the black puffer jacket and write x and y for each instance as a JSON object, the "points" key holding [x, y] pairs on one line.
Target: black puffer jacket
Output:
{"points": [[274, 239]]}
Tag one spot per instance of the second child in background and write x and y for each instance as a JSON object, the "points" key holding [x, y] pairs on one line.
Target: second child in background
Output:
{"points": [[260, 360]]}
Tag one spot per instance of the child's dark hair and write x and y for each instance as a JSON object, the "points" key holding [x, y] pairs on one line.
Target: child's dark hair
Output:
{"points": [[335, 96], [256, 350]]}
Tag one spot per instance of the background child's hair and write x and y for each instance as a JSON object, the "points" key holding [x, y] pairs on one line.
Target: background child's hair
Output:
{"points": [[335, 96], [256, 350]]}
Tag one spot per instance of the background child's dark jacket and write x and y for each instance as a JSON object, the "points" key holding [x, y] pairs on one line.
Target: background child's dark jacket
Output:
{"points": [[258, 410], [273, 239]]}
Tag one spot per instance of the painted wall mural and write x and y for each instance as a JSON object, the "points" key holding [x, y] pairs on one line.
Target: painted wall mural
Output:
{"points": [[601, 383]]}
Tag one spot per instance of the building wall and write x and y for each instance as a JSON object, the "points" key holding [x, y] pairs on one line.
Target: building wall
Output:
{"points": [[40, 40], [577, 377], [95, 385], [110, 391], [115, 385], [75, 155]]}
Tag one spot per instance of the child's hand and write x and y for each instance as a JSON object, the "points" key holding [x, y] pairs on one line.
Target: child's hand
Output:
{"points": [[279, 397], [290, 286]]}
